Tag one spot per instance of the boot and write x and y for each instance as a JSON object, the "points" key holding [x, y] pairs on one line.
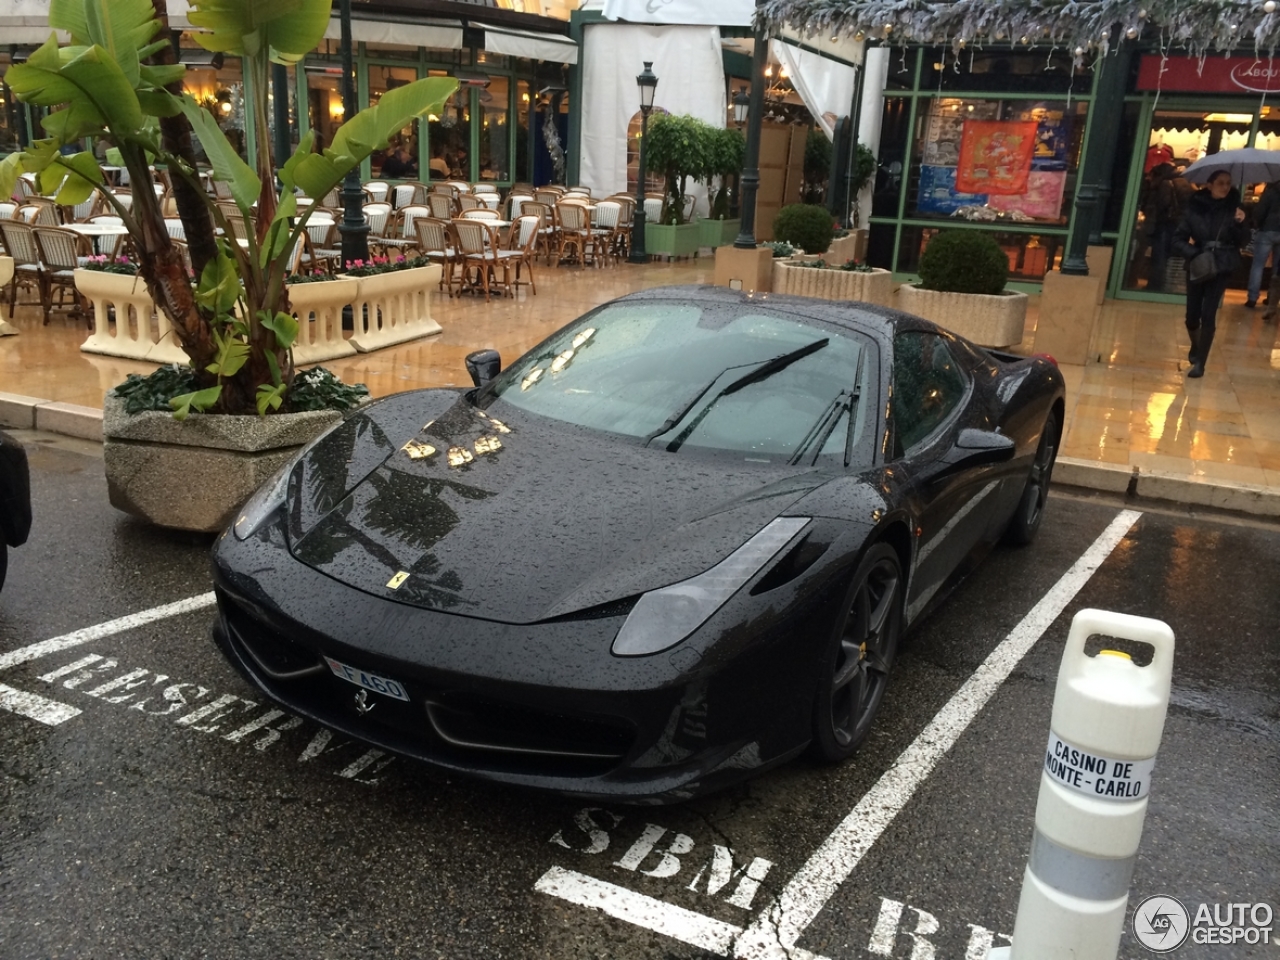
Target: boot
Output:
{"points": [[1194, 334], [1204, 342]]}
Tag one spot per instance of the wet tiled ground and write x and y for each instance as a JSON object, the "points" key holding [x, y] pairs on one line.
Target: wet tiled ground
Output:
{"points": [[1130, 405]]}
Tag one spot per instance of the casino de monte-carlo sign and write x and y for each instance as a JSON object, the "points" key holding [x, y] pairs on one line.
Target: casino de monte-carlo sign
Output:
{"points": [[1210, 75]]}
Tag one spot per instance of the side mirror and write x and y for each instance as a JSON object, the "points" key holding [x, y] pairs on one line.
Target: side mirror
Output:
{"points": [[483, 365], [974, 448]]}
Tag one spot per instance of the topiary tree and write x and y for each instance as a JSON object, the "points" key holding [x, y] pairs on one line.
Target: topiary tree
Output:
{"points": [[677, 149], [725, 152], [817, 165], [864, 168], [804, 225], [964, 261]]}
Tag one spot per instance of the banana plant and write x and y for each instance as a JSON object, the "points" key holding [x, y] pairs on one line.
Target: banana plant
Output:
{"points": [[118, 79]]}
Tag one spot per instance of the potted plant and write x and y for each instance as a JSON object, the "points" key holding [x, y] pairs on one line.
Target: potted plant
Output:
{"points": [[962, 279], [817, 166], [677, 150], [831, 280], [119, 81], [804, 225], [725, 152], [854, 242]]}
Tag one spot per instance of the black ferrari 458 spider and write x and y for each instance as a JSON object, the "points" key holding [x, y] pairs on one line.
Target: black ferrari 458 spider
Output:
{"points": [[675, 544]]}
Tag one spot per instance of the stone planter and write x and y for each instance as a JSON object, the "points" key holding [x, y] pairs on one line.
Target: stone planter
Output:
{"points": [[195, 474], [394, 307], [989, 320], [827, 284], [718, 233], [142, 332], [318, 307], [851, 247], [670, 240]]}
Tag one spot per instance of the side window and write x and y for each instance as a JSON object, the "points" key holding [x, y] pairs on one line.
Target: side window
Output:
{"points": [[928, 385]]}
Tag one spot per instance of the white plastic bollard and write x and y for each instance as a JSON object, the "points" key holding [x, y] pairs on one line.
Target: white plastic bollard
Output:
{"points": [[1108, 717]]}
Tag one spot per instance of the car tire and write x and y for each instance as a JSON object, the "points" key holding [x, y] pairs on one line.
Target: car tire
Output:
{"points": [[857, 660], [1025, 521]]}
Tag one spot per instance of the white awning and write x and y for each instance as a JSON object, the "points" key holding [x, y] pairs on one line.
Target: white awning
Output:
{"points": [[444, 35], [534, 46], [825, 86]]}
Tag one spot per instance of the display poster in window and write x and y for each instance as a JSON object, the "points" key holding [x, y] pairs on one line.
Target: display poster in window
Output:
{"points": [[1042, 199], [995, 156], [1053, 135], [938, 192]]}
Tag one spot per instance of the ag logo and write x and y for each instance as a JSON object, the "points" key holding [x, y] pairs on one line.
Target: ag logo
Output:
{"points": [[1161, 924]]}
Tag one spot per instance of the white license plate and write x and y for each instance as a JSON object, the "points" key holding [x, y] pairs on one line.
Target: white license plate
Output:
{"points": [[370, 681]]}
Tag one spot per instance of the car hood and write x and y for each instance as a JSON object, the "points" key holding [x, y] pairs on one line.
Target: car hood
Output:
{"points": [[542, 520]]}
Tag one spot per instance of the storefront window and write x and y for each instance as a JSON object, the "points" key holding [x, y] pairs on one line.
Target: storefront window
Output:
{"points": [[996, 159], [324, 102], [382, 79], [450, 136], [495, 130], [1011, 70], [1177, 138], [524, 109], [12, 114], [220, 90], [1031, 255]]}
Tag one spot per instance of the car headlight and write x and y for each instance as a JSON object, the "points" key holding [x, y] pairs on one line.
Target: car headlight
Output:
{"points": [[269, 498], [271, 495], [664, 617]]}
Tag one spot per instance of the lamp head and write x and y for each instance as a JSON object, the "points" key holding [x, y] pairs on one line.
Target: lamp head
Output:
{"points": [[647, 81]]}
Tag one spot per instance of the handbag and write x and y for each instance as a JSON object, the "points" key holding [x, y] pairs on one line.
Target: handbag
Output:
{"points": [[1212, 261], [1202, 267]]}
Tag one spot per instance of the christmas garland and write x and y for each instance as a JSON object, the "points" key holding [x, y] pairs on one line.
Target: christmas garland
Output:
{"points": [[1085, 27]]}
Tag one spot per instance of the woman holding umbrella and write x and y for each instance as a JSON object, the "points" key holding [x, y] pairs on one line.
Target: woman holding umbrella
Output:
{"points": [[1212, 223]]}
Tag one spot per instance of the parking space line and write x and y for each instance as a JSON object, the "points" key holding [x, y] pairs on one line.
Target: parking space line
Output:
{"points": [[778, 928], [35, 707], [35, 651], [695, 929]]}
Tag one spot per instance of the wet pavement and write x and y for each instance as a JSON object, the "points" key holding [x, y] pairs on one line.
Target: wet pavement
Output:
{"points": [[151, 804]]}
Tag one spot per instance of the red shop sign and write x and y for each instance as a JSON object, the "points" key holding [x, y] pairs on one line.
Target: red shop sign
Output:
{"points": [[1210, 75]]}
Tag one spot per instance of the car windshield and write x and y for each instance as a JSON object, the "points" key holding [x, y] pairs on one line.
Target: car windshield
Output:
{"points": [[681, 375]]}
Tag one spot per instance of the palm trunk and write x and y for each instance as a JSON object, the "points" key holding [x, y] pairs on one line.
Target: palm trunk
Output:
{"points": [[175, 131]]}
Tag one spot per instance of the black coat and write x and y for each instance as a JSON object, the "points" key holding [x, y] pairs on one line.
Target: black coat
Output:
{"points": [[1205, 220]]}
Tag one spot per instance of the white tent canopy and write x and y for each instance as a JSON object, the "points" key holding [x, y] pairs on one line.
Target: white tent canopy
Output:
{"points": [[825, 86], [709, 13], [690, 71]]}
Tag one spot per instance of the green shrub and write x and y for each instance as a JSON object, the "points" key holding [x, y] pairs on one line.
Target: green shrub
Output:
{"points": [[964, 261], [804, 225], [779, 248]]}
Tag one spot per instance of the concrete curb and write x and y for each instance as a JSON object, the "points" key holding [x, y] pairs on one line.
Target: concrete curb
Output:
{"points": [[32, 413], [1251, 498]]}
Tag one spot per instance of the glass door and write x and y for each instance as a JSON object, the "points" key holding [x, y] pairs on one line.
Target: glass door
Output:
{"points": [[1177, 138]]}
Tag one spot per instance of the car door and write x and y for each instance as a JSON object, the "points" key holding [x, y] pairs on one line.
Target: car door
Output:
{"points": [[932, 401]]}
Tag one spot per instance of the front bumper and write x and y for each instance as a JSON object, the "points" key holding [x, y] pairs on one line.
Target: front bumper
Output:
{"points": [[543, 705]]}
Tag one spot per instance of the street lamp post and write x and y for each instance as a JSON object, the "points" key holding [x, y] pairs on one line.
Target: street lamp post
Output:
{"points": [[751, 164], [354, 230], [741, 104], [647, 81]]}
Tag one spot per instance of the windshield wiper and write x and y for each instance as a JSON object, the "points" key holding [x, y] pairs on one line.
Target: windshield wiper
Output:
{"points": [[765, 370], [827, 421]]}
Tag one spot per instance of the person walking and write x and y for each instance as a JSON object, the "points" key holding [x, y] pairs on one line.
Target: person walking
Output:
{"points": [[1212, 221], [1266, 217], [1159, 216]]}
